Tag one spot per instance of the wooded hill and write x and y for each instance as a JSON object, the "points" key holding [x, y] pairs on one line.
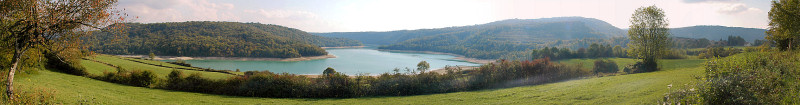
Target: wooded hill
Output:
{"points": [[502, 38], [718, 32], [509, 39], [217, 39], [516, 30]]}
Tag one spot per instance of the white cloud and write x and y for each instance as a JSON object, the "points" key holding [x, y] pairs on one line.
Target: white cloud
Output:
{"points": [[736, 9]]}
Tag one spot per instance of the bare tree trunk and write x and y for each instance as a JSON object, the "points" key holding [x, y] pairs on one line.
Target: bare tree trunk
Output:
{"points": [[14, 67]]}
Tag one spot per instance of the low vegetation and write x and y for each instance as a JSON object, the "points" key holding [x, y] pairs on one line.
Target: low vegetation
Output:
{"points": [[749, 78], [334, 84]]}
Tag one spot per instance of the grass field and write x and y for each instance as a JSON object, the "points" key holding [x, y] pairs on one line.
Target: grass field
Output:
{"points": [[98, 68], [642, 88]]}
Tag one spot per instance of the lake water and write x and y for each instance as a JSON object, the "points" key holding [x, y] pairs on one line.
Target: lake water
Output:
{"points": [[349, 61]]}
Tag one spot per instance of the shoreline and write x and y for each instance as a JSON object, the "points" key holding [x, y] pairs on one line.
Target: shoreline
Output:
{"points": [[344, 47], [457, 57], [233, 58]]}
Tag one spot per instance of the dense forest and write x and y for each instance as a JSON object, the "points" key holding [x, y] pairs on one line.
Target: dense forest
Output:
{"points": [[525, 30], [219, 39], [509, 38], [516, 38]]}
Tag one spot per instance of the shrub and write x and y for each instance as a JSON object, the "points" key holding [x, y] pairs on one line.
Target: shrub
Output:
{"points": [[141, 78], [334, 84], [69, 66], [749, 78], [605, 66], [753, 78]]}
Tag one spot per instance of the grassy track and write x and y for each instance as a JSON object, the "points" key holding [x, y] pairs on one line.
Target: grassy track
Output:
{"points": [[643, 88], [130, 65]]}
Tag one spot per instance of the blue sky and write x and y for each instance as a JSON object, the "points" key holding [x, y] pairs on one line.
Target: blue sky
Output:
{"points": [[387, 15]]}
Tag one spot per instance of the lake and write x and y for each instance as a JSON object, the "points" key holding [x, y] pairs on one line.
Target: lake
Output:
{"points": [[350, 61]]}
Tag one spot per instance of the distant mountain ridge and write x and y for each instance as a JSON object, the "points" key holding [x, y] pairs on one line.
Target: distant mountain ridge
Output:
{"points": [[718, 32], [538, 29]]}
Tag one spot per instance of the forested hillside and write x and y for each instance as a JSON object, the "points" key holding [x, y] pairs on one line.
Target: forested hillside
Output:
{"points": [[218, 39], [517, 30], [512, 38], [718, 32]]}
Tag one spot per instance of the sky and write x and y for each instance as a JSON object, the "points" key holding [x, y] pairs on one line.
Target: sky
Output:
{"points": [[388, 15]]}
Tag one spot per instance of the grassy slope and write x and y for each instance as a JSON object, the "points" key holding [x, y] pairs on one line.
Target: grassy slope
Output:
{"points": [[130, 65], [643, 88]]}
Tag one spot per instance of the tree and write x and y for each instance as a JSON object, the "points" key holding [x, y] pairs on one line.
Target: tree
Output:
{"points": [[649, 36], [784, 24], [423, 66], [152, 56], [49, 24], [329, 71]]}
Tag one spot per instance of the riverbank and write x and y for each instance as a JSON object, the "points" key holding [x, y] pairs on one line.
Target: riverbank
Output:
{"points": [[458, 57], [344, 47], [233, 58]]}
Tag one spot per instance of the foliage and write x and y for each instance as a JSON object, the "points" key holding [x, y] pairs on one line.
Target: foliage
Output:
{"points": [[218, 39], [423, 66], [713, 52], [605, 66], [749, 78], [681, 42], [649, 36], [594, 51], [328, 71], [736, 41], [49, 25], [335, 84], [784, 27], [141, 78]]}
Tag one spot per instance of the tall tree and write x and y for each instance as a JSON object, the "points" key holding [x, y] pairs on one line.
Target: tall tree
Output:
{"points": [[784, 24], [649, 36], [423, 66], [44, 23]]}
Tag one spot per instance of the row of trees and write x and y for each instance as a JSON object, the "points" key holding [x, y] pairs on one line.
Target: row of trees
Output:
{"points": [[335, 84], [594, 51]]}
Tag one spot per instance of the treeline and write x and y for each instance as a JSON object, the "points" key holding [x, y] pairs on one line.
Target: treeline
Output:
{"points": [[680, 42], [219, 39], [594, 51], [334, 84]]}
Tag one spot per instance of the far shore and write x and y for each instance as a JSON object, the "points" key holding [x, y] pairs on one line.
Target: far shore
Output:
{"points": [[458, 57], [233, 58], [345, 47]]}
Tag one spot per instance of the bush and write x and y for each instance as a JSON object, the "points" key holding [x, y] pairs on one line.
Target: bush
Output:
{"points": [[69, 66], [641, 67], [749, 78], [335, 84], [719, 52], [753, 78], [141, 78], [605, 66]]}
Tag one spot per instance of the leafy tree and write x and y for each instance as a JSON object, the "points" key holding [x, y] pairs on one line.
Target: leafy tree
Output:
{"points": [[649, 36], [423, 66], [152, 56], [736, 41], [784, 24], [329, 71], [50, 24]]}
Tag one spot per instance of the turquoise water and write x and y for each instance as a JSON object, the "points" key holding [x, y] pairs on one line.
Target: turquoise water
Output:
{"points": [[349, 61]]}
